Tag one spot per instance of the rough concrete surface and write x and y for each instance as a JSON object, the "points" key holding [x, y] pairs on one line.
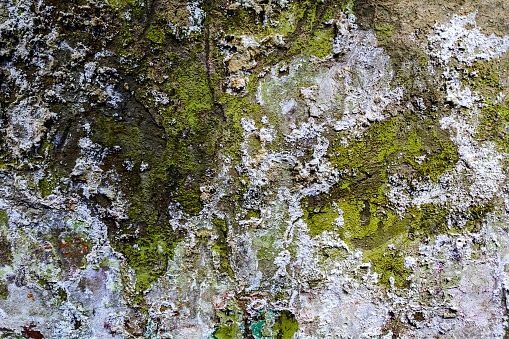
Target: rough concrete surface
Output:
{"points": [[254, 169]]}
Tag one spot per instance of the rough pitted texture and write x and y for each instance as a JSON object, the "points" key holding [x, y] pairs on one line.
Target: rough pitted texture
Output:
{"points": [[254, 169]]}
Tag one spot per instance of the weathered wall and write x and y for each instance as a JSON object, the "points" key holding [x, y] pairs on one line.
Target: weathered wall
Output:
{"points": [[254, 169]]}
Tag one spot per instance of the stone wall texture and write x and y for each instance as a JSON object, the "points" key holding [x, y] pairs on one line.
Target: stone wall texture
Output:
{"points": [[254, 169]]}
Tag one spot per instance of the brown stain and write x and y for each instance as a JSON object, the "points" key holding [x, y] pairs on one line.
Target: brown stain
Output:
{"points": [[30, 333]]}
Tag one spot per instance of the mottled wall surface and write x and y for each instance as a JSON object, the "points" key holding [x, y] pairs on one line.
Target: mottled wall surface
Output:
{"points": [[254, 169]]}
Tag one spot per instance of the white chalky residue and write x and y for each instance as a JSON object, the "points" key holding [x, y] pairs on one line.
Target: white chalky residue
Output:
{"points": [[196, 18], [456, 39]]}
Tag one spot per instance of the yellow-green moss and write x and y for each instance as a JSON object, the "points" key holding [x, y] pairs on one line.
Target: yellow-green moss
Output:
{"points": [[319, 44], [148, 254], [52, 174], [494, 124], [4, 218], [384, 32], [319, 220], [310, 20], [482, 74], [4, 290], [119, 4], [222, 248], [236, 108], [391, 263], [369, 222], [149, 250], [286, 326], [231, 324], [155, 35], [252, 214], [197, 126]]}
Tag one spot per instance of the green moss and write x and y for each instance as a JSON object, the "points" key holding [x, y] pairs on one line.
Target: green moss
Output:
{"points": [[5, 249], [52, 173], [310, 20], [124, 38], [189, 199], [155, 35], [444, 157], [364, 225], [148, 249], [319, 44], [404, 146], [148, 254], [236, 108], [423, 61], [230, 322], [289, 19], [384, 32], [62, 294], [119, 4], [193, 126], [266, 323], [391, 264], [252, 214], [4, 290], [413, 144], [4, 218], [138, 11], [494, 124], [319, 220], [477, 214], [222, 248], [228, 331], [392, 142], [50, 182], [286, 326], [347, 7], [482, 74], [112, 133]]}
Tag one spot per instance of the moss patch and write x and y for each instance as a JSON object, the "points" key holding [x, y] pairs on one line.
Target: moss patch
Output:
{"points": [[319, 44], [482, 74], [234, 322], [148, 254], [119, 4], [155, 35], [222, 248], [4, 290], [384, 32], [319, 220], [391, 264], [5, 245], [4, 218], [286, 325], [494, 124], [404, 146], [396, 146]]}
